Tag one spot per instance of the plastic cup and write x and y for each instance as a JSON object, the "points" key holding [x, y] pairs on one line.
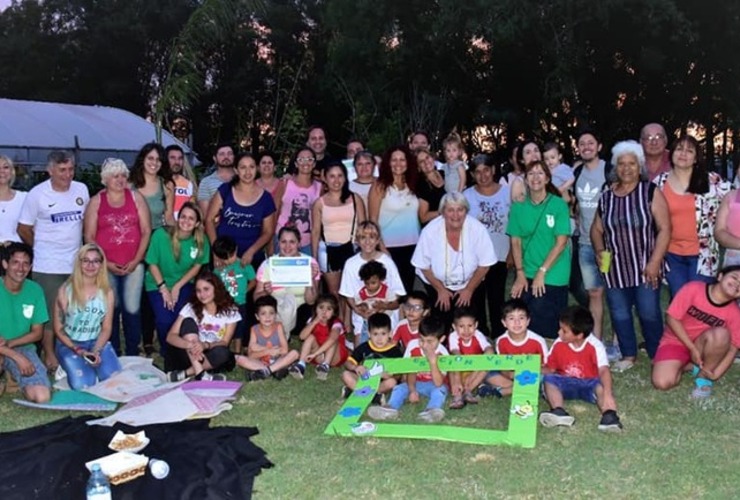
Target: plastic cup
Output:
{"points": [[606, 261], [159, 468]]}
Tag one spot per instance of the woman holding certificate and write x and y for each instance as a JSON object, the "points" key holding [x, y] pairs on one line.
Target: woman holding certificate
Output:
{"points": [[294, 302]]}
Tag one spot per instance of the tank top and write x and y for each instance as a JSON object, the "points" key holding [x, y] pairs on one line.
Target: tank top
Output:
{"points": [[273, 340], [118, 232], [83, 324], [338, 223], [399, 217], [682, 209], [183, 193], [156, 206], [295, 210]]}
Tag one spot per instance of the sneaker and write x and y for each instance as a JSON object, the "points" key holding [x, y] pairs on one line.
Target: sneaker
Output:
{"points": [[297, 370], [249, 376], [382, 413], [322, 371], [208, 376], [458, 403], [280, 374], [556, 417], [486, 390], [702, 389], [346, 391], [470, 399], [610, 422], [613, 354], [433, 415], [177, 376], [623, 365], [378, 399], [149, 350]]}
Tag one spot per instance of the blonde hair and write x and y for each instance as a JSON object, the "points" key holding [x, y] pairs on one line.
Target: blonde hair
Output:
{"points": [[9, 162], [198, 233], [76, 279], [453, 139]]}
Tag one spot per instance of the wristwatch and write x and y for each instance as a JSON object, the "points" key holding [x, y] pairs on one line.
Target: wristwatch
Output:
{"points": [[543, 269]]}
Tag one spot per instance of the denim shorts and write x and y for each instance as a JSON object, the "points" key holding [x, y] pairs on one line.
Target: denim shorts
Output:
{"points": [[592, 277], [574, 388], [39, 377]]}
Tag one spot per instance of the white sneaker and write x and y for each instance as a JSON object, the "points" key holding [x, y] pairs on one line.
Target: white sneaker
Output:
{"points": [[432, 415], [382, 413], [623, 365]]}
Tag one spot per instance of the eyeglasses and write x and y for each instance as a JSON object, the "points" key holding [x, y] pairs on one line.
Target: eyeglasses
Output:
{"points": [[305, 160], [91, 262], [413, 307], [653, 137]]}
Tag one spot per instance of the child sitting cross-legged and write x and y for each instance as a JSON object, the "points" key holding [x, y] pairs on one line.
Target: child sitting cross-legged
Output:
{"points": [[415, 308], [577, 368], [517, 339], [268, 352], [379, 346], [373, 297], [466, 340], [431, 384]]}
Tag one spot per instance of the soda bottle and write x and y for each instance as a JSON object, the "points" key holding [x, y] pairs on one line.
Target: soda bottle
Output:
{"points": [[98, 487]]}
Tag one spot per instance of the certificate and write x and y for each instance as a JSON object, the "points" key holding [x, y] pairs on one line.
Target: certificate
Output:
{"points": [[290, 271]]}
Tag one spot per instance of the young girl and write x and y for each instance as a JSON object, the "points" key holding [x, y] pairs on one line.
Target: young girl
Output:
{"points": [[454, 169], [83, 319], [200, 337], [323, 340], [268, 352]]}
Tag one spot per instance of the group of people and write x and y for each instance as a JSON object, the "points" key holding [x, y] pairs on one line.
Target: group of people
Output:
{"points": [[399, 246]]}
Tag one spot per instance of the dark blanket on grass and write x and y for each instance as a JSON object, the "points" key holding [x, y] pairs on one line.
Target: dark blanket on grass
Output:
{"points": [[205, 463]]}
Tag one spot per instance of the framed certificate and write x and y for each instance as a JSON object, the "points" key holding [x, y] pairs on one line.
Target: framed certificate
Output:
{"points": [[290, 271]]}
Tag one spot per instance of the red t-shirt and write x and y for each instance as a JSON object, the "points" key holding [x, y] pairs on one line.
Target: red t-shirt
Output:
{"points": [[403, 333], [532, 344], [477, 344], [578, 362], [414, 351]]}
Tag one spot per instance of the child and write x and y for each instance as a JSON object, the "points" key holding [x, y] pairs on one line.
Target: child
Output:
{"points": [[577, 368], [702, 333], [379, 346], [518, 339], [268, 352], [466, 340], [431, 384], [454, 169], [416, 307], [323, 340], [562, 175], [374, 297], [238, 280]]}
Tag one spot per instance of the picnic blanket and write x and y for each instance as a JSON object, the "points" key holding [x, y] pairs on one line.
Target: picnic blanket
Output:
{"points": [[71, 401], [205, 463]]}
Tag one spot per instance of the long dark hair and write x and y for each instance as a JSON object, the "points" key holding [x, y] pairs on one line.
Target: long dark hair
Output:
{"points": [[235, 180], [699, 181], [137, 171], [385, 177], [223, 300], [346, 193]]}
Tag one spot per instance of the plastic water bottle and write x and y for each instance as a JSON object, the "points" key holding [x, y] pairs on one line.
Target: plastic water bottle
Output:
{"points": [[98, 486]]}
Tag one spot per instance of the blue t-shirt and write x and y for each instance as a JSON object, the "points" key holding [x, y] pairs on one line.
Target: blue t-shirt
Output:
{"points": [[243, 223]]}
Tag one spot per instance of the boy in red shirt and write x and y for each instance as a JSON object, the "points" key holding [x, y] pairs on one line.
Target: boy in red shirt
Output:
{"points": [[415, 308], [466, 339], [577, 368]]}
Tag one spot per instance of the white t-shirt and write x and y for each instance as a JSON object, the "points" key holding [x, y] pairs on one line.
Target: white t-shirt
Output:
{"points": [[453, 268], [211, 328], [10, 211], [57, 220]]}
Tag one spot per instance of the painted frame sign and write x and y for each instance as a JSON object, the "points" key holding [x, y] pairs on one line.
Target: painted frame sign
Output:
{"points": [[522, 428]]}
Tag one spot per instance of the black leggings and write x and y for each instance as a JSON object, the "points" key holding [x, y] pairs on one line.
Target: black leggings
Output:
{"points": [[220, 358]]}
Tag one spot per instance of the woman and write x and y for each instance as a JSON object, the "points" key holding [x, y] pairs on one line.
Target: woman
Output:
{"points": [[294, 303], [244, 211], [632, 223], [490, 203], [693, 196], [117, 219], [364, 163], [452, 275], [526, 152], [394, 207], [267, 179], [727, 227], [175, 256], [11, 201], [297, 195], [151, 177], [334, 219], [83, 318], [539, 228], [431, 187], [200, 336]]}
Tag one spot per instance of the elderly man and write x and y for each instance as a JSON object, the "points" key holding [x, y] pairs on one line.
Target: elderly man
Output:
{"points": [[51, 222], [24, 314], [654, 144]]}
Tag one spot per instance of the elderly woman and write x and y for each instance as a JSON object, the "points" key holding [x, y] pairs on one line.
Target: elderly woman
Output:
{"points": [[452, 275], [539, 228], [117, 219], [632, 223], [693, 196], [11, 201]]}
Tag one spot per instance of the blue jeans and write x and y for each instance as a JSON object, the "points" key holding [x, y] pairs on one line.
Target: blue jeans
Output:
{"points": [[80, 374], [127, 290], [592, 277], [163, 317], [647, 302], [544, 311], [681, 270], [436, 395]]}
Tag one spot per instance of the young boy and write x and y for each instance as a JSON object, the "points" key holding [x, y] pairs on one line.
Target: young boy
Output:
{"points": [[373, 297], [562, 174], [431, 384], [702, 333], [518, 339], [466, 340], [415, 308], [379, 346], [238, 280], [577, 368]]}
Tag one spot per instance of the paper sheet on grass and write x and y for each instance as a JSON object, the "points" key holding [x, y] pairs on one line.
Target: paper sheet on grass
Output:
{"points": [[71, 401]]}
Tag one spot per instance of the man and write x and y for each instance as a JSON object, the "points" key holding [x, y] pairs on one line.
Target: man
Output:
{"points": [[51, 222], [224, 161], [354, 146], [654, 143], [316, 142], [183, 179], [24, 314]]}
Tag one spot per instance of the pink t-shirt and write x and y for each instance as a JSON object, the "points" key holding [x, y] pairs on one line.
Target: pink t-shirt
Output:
{"points": [[296, 206]]}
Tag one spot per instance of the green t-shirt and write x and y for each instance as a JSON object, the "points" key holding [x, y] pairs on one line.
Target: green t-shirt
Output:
{"points": [[160, 253], [538, 226], [22, 310], [236, 278]]}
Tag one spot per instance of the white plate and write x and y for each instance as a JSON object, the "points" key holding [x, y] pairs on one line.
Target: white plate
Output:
{"points": [[120, 436]]}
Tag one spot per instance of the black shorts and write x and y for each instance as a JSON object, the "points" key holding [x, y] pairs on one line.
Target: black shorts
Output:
{"points": [[337, 255]]}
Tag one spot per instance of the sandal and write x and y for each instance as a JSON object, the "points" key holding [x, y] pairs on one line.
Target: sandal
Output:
{"points": [[458, 403], [702, 389], [470, 399]]}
